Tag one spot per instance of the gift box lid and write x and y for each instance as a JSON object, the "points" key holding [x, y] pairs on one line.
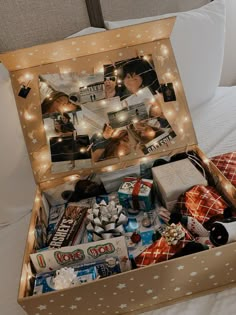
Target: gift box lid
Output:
{"points": [[66, 111]]}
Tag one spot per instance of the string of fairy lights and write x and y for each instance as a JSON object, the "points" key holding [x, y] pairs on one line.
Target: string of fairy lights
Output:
{"points": [[170, 113]]}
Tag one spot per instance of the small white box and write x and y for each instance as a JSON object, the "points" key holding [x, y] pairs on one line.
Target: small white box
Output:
{"points": [[175, 178]]}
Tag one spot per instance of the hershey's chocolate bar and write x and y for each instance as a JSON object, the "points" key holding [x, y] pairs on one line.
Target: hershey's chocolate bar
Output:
{"points": [[68, 227]]}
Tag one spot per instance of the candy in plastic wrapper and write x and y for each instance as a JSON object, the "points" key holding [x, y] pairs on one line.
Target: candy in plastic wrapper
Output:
{"points": [[45, 282], [70, 229]]}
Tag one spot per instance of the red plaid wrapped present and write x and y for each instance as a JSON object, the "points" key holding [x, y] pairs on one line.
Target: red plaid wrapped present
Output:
{"points": [[202, 203], [226, 163], [161, 251]]}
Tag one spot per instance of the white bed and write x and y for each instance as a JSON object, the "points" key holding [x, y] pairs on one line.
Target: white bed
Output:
{"points": [[216, 134], [215, 122]]}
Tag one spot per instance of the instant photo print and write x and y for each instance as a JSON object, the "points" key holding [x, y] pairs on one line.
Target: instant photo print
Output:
{"points": [[168, 92], [24, 91]]}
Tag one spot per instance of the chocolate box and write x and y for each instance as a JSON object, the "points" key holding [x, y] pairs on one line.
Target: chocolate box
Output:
{"points": [[139, 290]]}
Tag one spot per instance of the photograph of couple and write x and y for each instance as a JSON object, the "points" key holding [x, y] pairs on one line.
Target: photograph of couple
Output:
{"points": [[102, 116]]}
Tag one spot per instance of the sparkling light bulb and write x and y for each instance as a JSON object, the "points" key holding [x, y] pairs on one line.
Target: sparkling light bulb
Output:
{"points": [[28, 116], [146, 57]]}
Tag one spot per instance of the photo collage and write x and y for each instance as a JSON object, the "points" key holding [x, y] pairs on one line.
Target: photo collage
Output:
{"points": [[92, 118]]}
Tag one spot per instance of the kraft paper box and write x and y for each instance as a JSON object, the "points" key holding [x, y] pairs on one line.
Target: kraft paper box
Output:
{"points": [[136, 193], [143, 289], [175, 178]]}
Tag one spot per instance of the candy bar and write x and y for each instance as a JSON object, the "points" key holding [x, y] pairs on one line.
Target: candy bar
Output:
{"points": [[53, 259], [44, 283], [70, 227]]}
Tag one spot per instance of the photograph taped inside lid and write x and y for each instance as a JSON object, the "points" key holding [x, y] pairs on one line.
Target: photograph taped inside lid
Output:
{"points": [[93, 118]]}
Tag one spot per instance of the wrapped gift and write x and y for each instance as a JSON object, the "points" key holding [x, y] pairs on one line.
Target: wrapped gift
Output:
{"points": [[226, 163], [202, 203], [161, 250], [175, 178], [136, 193]]}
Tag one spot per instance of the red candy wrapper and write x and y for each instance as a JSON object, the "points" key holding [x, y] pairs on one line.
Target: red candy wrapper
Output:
{"points": [[226, 163], [161, 251], [202, 203]]}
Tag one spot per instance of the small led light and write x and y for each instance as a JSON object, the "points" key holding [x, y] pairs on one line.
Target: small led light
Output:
{"points": [[28, 76], [59, 140], [28, 116], [206, 160], [168, 74], [103, 102], [121, 153], [146, 57], [73, 177], [164, 50], [228, 186], [82, 150], [116, 72], [37, 199], [109, 168]]}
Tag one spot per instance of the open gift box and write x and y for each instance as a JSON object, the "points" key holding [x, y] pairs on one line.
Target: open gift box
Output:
{"points": [[41, 72]]}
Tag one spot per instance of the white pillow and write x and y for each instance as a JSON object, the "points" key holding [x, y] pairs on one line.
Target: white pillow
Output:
{"points": [[87, 31], [198, 44], [228, 76]]}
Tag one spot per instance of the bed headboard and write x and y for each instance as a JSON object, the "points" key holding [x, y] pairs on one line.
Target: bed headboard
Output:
{"points": [[113, 10], [25, 23]]}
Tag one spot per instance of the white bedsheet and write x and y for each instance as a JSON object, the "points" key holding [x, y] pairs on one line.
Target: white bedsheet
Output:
{"points": [[214, 123]]}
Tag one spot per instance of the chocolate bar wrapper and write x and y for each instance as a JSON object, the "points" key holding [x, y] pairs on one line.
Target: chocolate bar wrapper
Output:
{"points": [[106, 267], [136, 193], [53, 259], [55, 214], [69, 226], [44, 282]]}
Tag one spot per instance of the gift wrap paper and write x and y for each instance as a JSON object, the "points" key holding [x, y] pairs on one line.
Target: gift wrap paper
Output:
{"points": [[136, 193], [202, 203]]}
